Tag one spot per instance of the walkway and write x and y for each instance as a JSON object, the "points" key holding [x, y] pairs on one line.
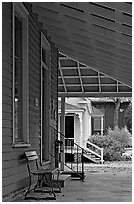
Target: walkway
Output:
{"points": [[103, 183], [99, 188]]}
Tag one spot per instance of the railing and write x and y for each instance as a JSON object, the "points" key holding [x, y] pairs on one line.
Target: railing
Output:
{"points": [[95, 150], [73, 154]]}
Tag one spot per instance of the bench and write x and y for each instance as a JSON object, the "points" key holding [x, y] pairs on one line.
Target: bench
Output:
{"points": [[46, 179]]}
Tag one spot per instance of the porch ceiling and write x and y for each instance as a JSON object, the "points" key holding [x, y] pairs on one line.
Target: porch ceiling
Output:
{"points": [[96, 34]]}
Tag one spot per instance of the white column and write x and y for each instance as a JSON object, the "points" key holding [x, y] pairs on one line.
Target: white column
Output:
{"points": [[62, 130], [81, 129], [102, 125]]}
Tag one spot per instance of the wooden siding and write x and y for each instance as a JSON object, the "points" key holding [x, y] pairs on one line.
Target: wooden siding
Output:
{"points": [[13, 164]]}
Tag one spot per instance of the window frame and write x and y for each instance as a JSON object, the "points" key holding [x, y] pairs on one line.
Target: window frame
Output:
{"points": [[21, 11], [47, 67]]}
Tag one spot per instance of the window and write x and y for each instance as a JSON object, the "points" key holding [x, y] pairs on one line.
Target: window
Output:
{"points": [[97, 124], [20, 76], [45, 99]]}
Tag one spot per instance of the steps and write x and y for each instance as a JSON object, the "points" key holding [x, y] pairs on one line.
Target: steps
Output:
{"points": [[75, 175], [92, 158], [64, 179]]}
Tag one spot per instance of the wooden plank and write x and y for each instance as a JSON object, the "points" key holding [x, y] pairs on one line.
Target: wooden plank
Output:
{"points": [[15, 155], [7, 83], [6, 34], [95, 45], [6, 66], [35, 48], [7, 149], [96, 54], [6, 140], [6, 123], [86, 30], [6, 51], [102, 11], [86, 18], [7, 132], [7, 90], [13, 179], [6, 116], [85, 7], [121, 6], [13, 187], [103, 69], [10, 164], [14, 170], [6, 108], [6, 48], [96, 41], [6, 99], [6, 74]]}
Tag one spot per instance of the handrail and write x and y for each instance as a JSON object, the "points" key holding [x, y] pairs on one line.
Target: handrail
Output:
{"points": [[67, 138], [93, 152], [88, 142], [68, 167], [77, 152]]}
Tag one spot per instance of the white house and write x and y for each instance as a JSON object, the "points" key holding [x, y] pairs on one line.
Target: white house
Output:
{"points": [[80, 119]]}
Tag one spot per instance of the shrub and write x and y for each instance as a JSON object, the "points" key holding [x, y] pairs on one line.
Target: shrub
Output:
{"points": [[113, 144]]}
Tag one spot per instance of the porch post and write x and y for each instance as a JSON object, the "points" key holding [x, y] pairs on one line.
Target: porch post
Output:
{"points": [[62, 130], [81, 130], [102, 125]]}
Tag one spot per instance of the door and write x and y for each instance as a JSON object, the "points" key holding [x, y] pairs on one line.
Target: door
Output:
{"points": [[69, 130]]}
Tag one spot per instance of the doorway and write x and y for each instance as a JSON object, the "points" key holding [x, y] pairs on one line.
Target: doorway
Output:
{"points": [[69, 130]]}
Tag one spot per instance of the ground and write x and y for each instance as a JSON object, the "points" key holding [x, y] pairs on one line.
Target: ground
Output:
{"points": [[108, 182]]}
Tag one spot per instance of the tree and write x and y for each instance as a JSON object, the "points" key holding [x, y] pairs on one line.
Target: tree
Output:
{"points": [[118, 101], [116, 113], [128, 117]]}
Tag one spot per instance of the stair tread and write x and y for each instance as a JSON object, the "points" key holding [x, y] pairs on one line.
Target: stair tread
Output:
{"points": [[63, 177]]}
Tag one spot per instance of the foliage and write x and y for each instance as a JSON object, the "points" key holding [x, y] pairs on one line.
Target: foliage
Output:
{"points": [[128, 118], [113, 144]]}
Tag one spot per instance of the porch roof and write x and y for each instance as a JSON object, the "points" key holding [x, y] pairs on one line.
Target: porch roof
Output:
{"points": [[70, 107], [98, 36], [96, 112]]}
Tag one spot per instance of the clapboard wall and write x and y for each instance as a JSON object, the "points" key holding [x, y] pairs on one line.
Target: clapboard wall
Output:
{"points": [[14, 171]]}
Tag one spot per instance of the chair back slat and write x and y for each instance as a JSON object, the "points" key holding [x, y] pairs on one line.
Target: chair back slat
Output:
{"points": [[31, 156]]}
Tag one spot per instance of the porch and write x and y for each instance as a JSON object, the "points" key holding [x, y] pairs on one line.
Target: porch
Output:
{"points": [[42, 68], [104, 183]]}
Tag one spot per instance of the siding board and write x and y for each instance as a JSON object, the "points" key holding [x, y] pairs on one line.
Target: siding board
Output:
{"points": [[7, 123], [14, 169], [13, 179], [6, 139], [7, 83], [7, 100], [6, 108], [6, 116], [7, 66], [6, 74]]}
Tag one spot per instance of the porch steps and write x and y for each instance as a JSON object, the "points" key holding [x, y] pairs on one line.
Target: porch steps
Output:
{"points": [[92, 158], [64, 179], [74, 175]]}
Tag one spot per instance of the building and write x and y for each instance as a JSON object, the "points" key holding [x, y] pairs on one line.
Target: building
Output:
{"points": [[33, 34], [81, 120], [107, 106], [30, 85]]}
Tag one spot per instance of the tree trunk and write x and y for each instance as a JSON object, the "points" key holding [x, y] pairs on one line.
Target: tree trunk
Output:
{"points": [[116, 113]]}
